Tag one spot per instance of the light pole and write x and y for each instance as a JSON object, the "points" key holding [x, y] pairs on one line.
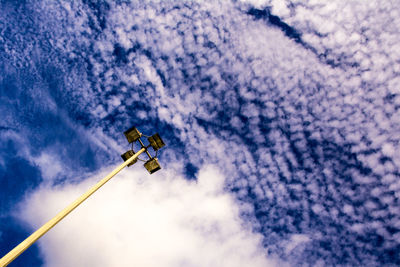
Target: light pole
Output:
{"points": [[129, 157]]}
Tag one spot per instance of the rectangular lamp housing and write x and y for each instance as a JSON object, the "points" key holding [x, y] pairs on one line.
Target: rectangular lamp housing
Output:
{"points": [[156, 142], [152, 165], [127, 155], [132, 134]]}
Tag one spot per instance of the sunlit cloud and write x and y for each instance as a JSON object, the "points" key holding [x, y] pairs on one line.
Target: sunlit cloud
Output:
{"points": [[142, 220]]}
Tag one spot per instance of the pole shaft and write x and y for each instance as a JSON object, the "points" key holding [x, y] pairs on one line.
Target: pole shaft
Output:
{"points": [[10, 256]]}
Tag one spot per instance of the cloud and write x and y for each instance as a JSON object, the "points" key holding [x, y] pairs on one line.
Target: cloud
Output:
{"points": [[141, 220], [49, 165], [305, 130]]}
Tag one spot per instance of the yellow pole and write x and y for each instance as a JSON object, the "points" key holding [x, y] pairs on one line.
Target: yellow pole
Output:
{"points": [[10, 256]]}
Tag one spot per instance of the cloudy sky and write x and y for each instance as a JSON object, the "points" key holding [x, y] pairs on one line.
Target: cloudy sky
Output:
{"points": [[281, 120]]}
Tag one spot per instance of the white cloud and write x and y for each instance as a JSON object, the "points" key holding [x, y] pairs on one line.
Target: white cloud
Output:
{"points": [[295, 240], [141, 220], [336, 106], [257, 3], [388, 149], [49, 164]]}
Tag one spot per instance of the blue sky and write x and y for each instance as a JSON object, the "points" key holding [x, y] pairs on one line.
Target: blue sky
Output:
{"points": [[281, 120]]}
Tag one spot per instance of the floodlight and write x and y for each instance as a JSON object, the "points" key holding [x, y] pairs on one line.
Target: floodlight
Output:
{"points": [[156, 142], [152, 165], [132, 134], [127, 155]]}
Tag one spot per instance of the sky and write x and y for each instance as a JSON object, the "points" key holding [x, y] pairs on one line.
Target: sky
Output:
{"points": [[281, 120]]}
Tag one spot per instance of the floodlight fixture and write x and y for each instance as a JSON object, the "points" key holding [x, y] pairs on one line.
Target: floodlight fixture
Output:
{"points": [[130, 157], [156, 142], [132, 134], [127, 155], [152, 165]]}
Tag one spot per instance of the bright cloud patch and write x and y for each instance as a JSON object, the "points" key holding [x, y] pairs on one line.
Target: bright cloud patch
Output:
{"points": [[48, 166], [140, 220]]}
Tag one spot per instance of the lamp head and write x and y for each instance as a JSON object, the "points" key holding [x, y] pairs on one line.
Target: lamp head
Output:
{"points": [[152, 165], [127, 155], [132, 134], [156, 142]]}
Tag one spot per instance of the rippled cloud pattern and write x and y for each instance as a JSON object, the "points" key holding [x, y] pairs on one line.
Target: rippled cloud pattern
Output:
{"points": [[296, 102]]}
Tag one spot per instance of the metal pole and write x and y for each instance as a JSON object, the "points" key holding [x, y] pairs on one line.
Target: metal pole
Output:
{"points": [[10, 256]]}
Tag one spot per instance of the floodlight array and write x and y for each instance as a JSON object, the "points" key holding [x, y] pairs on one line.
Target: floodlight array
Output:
{"points": [[132, 135]]}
